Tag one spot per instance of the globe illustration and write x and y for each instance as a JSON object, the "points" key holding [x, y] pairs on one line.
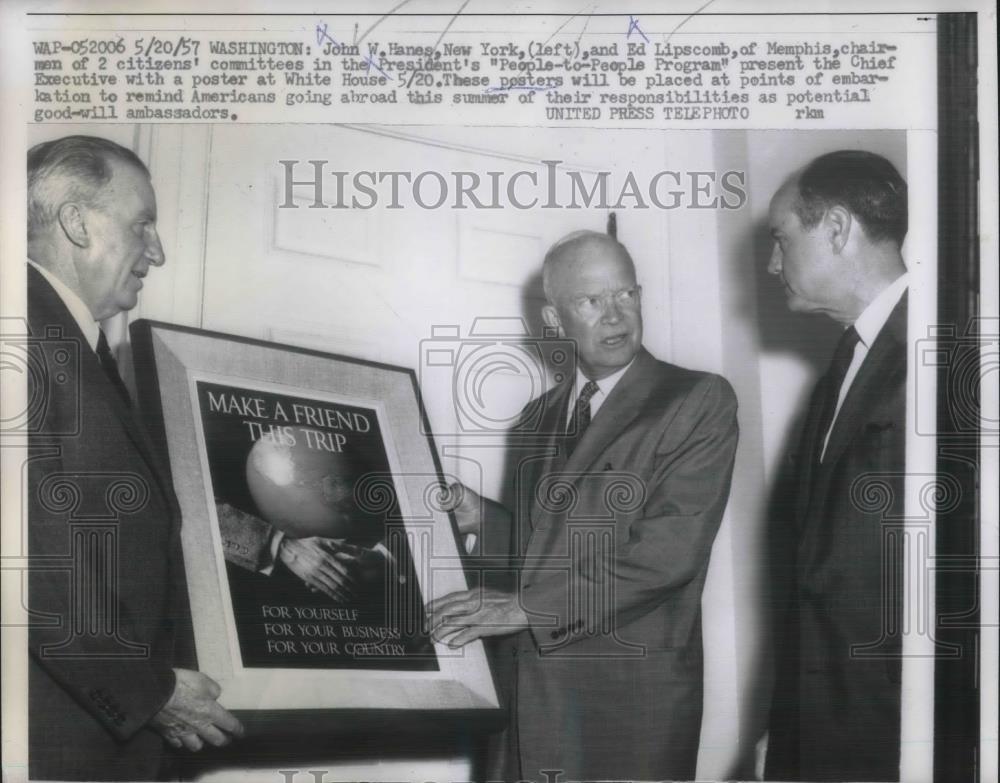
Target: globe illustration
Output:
{"points": [[307, 491]]}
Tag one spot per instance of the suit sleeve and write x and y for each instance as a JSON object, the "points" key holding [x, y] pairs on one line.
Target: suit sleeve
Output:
{"points": [[85, 650], [247, 541], [493, 538], [668, 543]]}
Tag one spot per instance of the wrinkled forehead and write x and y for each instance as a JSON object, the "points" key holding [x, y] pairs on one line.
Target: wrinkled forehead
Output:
{"points": [[592, 265]]}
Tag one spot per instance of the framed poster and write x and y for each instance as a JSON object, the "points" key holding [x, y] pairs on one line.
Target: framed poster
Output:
{"points": [[312, 532]]}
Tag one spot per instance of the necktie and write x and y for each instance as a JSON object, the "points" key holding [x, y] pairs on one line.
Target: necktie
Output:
{"points": [[832, 382], [110, 367], [581, 414]]}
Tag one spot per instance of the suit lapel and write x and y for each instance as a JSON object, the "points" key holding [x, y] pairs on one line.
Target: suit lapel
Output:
{"points": [[96, 379], [886, 352], [617, 412], [53, 311], [553, 426], [809, 446]]}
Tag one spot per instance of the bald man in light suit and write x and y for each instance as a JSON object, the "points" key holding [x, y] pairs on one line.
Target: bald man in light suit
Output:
{"points": [[601, 627]]}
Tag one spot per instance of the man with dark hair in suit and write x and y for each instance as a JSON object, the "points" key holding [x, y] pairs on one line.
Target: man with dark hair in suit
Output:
{"points": [[111, 666], [838, 227], [619, 494]]}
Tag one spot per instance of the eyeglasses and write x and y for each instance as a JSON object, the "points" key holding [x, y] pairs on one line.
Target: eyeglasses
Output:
{"points": [[591, 306]]}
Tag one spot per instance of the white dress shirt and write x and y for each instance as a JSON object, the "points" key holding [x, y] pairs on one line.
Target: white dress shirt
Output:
{"points": [[604, 387], [868, 326]]}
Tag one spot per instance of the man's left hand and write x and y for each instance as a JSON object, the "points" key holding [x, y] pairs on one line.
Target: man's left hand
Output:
{"points": [[459, 618], [192, 716]]}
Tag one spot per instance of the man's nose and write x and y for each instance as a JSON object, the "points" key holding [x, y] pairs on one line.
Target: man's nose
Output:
{"points": [[154, 249], [612, 310], [774, 264]]}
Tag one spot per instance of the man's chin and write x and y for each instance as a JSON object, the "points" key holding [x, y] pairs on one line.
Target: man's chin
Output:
{"points": [[799, 305], [127, 300], [613, 359]]}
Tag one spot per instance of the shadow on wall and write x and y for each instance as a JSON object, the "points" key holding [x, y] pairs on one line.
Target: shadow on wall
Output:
{"points": [[532, 301]]}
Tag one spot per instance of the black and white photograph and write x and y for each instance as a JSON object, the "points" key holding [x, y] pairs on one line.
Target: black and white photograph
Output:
{"points": [[464, 392]]}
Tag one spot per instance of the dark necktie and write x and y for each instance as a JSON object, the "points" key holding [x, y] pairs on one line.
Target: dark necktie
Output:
{"points": [[110, 367], [832, 382], [581, 414]]}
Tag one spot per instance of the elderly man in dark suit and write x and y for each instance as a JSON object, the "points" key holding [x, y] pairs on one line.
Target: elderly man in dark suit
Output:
{"points": [[620, 491], [111, 674], [838, 227]]}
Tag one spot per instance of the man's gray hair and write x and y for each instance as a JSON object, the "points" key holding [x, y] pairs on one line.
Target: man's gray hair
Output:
{"points": [[576, 240], [73, 168]]}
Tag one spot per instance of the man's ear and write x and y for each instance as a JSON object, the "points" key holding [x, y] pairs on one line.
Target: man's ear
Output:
{"points": [[551, 317], [839, 223], [74, 224]]}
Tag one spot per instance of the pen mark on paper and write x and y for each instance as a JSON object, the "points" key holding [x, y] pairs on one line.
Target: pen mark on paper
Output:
{"points": [[560, 27], [633, 26], [688, 18], [381, 19]]}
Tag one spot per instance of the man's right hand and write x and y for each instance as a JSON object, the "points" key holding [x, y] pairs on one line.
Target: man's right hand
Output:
{"points": [[467, 507], [319, 563], [192, 716]]}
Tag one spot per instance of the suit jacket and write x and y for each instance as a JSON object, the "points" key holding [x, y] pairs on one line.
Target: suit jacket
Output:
{"points": [[836, 708], [107, 594], [612, 547]]}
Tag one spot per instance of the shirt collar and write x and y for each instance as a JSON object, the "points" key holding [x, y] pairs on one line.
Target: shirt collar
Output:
{"points": [[80, 312], [604, 384], [873, 317]]}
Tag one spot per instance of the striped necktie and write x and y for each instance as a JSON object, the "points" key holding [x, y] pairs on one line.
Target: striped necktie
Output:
{"points": [[580, 420]]}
